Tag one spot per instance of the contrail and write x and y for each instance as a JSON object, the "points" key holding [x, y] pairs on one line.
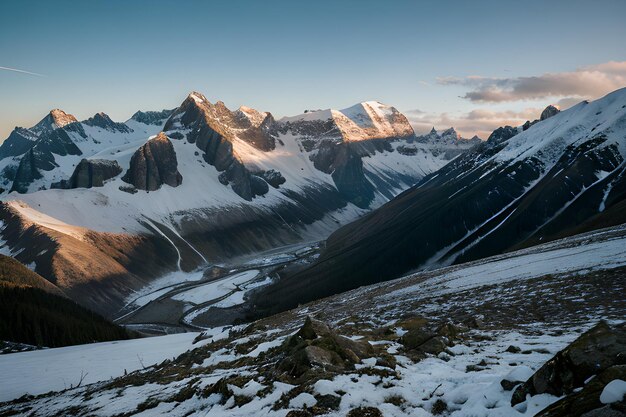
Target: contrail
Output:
{"points": [[22, 71]]}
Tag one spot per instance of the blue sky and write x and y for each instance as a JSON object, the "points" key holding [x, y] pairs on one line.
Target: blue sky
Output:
{"points": [[284, 57]]}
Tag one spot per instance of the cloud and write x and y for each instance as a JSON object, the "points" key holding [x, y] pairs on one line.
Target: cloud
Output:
{"points": [[586, 82], [21, 71], [479, 122]]}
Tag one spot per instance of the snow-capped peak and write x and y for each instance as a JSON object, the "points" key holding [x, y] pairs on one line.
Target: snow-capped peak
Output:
{"points": [[362, 121], [197, 97], [55, 119]]}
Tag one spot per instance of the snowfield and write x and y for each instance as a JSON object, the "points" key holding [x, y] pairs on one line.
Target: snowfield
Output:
{"points": [[57, 369]]}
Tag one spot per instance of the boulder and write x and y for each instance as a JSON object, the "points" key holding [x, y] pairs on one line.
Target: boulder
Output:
{"points": [[586, 402], [317, 345], [593, 352], [413, 339]]}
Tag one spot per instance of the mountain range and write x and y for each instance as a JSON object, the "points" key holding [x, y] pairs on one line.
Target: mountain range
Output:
{"points": [[557, 176], [100, 208]]}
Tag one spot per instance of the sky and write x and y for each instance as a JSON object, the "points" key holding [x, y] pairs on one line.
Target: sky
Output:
{"points": [[474, 65]]}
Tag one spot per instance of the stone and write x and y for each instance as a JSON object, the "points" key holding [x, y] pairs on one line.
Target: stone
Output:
{"points": [[586, 402], [433, 346], [322, 357], [594, 351], [449, 330], [365, 412], [509, 385], [413, 339]]}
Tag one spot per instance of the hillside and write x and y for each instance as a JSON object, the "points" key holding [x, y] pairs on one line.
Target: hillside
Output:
{"points": [[460, 339], [562, 175], [35, 312]]}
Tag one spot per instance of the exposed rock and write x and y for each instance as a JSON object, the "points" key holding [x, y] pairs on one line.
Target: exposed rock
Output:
{"points": [[548, 112], [103, 121], [41, 156], [439, 407], [596, 350], [273, 178], [212, 129], [545, 114], [586, 402], [315, 344], [312, 329], [474, 323], [365, 412], [93, 173], [513, 349], [178, 136], [434, 346], [299, 413], [153, 165], [527, 124], [509, 385], [413, 339], [258, 186], [155, 118], [449, 330], [322, 357], [502, 134], [328, 402]]}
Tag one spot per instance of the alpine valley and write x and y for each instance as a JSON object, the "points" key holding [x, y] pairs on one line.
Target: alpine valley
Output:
{"points": [[101, 209], [330, 263]]}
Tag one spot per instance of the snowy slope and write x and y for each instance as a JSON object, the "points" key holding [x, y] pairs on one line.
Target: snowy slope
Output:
{"points": [[518, 332], [108, 209], [563, 175]]}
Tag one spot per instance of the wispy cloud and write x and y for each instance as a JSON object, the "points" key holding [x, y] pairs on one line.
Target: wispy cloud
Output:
{"points": [[586, 82], [21, 71]]}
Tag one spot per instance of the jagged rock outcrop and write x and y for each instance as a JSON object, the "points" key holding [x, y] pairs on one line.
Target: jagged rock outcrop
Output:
{"points": [[548, 112], [103, 121], [212, 130], [545, 114], [153, 165], [273, 178], [502, 134], [155, 118], [91, 173], [41, 156]]}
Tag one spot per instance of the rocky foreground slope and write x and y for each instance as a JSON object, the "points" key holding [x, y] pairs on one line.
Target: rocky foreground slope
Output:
{"points": [[488, 338], [101, 208]]}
